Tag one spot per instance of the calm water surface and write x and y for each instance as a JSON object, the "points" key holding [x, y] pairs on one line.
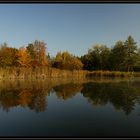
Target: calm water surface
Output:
{"points": [[59, 108]]}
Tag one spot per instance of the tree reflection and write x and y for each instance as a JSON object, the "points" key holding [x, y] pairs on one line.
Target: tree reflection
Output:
{"points": [[67, 91], [33, 95], [38, 102], [8, 99], [33, 99], [122, 96]]}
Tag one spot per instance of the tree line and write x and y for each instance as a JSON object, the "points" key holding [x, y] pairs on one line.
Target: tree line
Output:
{"points": [[123, 56]]}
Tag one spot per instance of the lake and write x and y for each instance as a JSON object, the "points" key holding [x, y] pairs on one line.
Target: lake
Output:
{"points": [[70, 108]]}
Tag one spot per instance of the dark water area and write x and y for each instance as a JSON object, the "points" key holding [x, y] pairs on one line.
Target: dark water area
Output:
{"points": [[75, 108]]}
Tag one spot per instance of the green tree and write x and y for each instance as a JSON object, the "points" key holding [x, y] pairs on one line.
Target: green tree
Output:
{"points": [[117, 56], [97, 58], [95, 53], [137, 63], [87, 61], [131, 53], [31, 50], [104, 57]]}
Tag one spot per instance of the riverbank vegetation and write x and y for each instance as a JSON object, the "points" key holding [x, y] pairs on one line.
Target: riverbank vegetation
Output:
{"points": [[33, 61]]}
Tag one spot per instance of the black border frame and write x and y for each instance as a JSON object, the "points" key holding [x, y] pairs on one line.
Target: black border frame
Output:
{"points": [[69, 2]]}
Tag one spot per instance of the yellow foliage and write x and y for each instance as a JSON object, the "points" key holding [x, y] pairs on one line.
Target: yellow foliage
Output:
{"points": [[24, 58]]}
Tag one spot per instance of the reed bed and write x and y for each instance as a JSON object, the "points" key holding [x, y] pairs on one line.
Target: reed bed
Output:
{"points": [[39, 73], [49, 72], [109, 74]]}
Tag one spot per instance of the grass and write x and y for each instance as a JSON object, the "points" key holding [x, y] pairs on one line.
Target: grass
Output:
{"points": [[39, 73], [109, 74], [48, 72]]}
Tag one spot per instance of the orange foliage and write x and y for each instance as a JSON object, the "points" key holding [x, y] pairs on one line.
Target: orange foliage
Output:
{"points": [[23, 57]]}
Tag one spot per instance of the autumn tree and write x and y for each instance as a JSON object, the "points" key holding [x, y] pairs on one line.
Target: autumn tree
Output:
{"points": [[23, 57], [40, 49], [37, 51], [7, 55], [33, 54], [67, 61]]}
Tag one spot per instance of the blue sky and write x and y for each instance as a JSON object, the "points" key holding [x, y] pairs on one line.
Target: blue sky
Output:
{"points": [[68, 27]]}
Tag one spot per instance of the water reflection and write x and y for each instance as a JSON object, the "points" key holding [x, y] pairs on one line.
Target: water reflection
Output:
{"points": [[34, 99], [67, 91], [123, 95]]}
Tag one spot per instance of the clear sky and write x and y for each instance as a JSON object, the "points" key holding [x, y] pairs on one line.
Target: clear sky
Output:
{"points": [[71, 27]]}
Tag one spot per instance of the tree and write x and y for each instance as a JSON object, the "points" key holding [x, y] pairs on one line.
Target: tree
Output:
{"points": [[67, 61], [40, 48], [87, 61], [31, 50], [131, 53], [104, 57], [37, 51], [137, 63], [23, 57], [97, 58], [33, 54], [117, 56], [7, 55], [49, 59], [95, 53]]}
